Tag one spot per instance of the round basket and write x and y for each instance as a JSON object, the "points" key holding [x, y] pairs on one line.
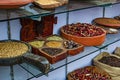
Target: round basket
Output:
{"points": [[107, 22], [86, 41], [16, 59]]}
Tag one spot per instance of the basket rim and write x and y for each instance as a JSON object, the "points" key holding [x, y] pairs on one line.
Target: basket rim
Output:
{"points": [[112, 25]]}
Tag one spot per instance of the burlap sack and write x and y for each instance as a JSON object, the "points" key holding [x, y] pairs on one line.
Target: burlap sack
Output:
{"points": [[117, 51], [114, 72]]}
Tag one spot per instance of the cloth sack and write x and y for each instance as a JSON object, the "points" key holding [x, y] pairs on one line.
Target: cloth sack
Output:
{"points": [[114, 72]]}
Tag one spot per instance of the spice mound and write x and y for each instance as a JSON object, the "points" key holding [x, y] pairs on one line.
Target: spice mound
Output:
{"points": [[110, 60], [12, 49], [52, 51], [54, 44], [54, 37], [37, 44], [82, 30], [89, 73]]}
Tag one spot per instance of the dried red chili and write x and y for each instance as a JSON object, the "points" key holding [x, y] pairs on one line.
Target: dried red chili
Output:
{"points": [[83, 30]]}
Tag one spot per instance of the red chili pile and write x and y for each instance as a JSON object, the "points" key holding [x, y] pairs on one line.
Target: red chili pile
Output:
{"points": [[83, 30], [89, 74]]}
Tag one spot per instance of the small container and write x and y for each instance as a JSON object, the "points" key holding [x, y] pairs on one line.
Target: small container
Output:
{"points": [[36, 45], [55, 55], [72, 47]]}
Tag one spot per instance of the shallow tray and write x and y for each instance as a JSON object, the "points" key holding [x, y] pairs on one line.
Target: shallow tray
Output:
{"points": [[16, 59], [108, 22], [53, 58]]}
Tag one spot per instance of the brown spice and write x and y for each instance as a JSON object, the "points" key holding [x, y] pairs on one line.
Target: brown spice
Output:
{"points": [[110, 60], [52, 51]]}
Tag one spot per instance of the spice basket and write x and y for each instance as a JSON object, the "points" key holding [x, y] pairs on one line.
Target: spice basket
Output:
{"points": [[16, 59], [86, 41]]}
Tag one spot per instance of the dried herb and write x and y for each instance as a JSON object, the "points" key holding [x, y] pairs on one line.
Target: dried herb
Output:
{"points": [[52, 51], [110, 60]]}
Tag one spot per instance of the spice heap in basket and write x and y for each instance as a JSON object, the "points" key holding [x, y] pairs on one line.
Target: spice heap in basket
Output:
{"points": [[84, 33], [11, 49], [13, 52]]}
